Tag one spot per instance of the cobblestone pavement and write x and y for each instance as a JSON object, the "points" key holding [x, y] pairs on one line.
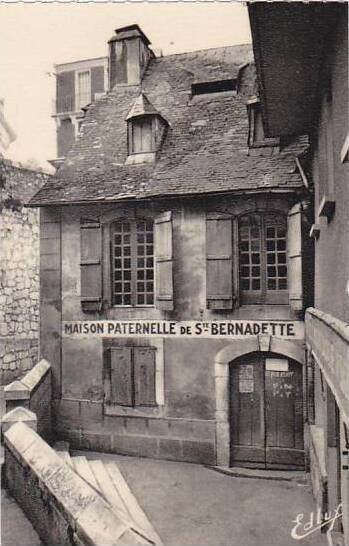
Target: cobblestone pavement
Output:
{"points": [[16, 529], [190, 504]]}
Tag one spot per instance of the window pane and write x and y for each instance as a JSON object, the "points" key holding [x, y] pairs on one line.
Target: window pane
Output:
{"points": [[145, 266], [276, 245], [250, 237]]}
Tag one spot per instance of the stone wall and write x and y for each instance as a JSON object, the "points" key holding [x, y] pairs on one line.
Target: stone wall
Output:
{"points": [[19, 270]]}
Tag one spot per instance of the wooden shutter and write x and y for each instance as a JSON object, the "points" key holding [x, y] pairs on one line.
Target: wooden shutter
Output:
{"points": [[219, 273], [294, 255], [144, 376], [65, 91], [97, 80], [164, 262], [91, 265], [121, 376]]}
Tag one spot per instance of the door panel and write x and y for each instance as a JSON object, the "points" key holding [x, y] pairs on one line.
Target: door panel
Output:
{"points": [[284, 416], [247, 401]]}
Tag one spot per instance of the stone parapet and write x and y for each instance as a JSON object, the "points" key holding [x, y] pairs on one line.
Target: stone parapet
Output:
{"points": [[33, 392], [327, 339], [62, 507]]}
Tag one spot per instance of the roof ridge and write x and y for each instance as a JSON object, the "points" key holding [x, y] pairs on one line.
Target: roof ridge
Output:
{"points": [[204, 49]]}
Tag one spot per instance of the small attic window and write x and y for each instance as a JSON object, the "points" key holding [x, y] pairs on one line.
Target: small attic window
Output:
{"points": [[218, 86], [146, 130], [141, 135]]}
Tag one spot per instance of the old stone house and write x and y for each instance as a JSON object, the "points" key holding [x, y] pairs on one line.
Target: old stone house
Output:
{"points": [[172, 209], [305, 47]]}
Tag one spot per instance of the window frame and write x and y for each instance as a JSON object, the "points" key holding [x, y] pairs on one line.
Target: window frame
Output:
{"points": [[80, 104], [263, 296], [131, 123], [133, 262], [254, 110]]}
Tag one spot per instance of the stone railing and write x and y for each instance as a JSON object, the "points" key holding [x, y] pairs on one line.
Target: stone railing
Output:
{"points": [[62, 507], [328, 340], [33, 392], [318, 472]]}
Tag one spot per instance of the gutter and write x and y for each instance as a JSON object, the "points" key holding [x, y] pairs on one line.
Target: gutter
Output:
{"points": [[263, 191], [302, 173]]}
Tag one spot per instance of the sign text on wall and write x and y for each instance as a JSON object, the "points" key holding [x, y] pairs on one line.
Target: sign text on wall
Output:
{"points": [[194, 329]]}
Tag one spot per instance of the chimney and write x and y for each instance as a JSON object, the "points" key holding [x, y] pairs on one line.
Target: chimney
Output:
{"points": [[129, 55]]}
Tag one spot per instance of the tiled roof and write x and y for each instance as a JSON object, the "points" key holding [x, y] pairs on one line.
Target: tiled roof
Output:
{"points": [[205, 149]]}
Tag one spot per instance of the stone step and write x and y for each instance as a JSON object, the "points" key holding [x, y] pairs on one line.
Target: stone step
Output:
{"points": [[82, 467], [130, 501], [106, 486]]}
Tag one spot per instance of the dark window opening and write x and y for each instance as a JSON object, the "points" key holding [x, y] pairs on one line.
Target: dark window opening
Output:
{"points": [[213, 87]]}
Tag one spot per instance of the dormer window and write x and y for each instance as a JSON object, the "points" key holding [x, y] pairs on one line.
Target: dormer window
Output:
{"points": [[140, 137], [216, 86], [256, 138], [146, 131]]}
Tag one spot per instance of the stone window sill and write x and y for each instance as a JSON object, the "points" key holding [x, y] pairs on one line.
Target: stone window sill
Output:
{"points": [[114, 410]]}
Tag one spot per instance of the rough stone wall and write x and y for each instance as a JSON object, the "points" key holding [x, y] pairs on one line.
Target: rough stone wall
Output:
{"points": [[19, 270]]}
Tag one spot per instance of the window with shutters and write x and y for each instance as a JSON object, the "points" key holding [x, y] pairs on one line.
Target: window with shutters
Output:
{"points": [[141, 135], [263, 258], [132, 376], [132, 262]]}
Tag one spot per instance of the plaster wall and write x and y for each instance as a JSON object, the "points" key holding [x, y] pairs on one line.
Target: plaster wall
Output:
{"points": [[183, 425], [331, 248]]}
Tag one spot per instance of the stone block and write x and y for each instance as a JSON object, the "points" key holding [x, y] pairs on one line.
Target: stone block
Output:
{"points": [[136, 425], [91, 411], [141, 446], [170, 449], [95, 442], [158, 427], [68, 409], [16, 391], [188, 429], [33, 378], [114, 424], [199, 452], [18, 438], [19, 415]]}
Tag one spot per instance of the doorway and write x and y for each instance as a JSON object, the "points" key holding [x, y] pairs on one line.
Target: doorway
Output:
{"points": [[266, 412]]}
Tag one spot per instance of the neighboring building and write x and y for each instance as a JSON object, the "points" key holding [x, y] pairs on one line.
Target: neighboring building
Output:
{"points": [[304, 48], [172, 206], [77, 84], [19, 263]]}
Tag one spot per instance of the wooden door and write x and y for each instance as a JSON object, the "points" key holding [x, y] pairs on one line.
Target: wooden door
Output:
{"points": [[283, 414], [247, 412], [266, 412]]}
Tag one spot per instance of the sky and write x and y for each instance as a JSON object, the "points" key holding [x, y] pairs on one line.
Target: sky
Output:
{"points": [[35, 36]]}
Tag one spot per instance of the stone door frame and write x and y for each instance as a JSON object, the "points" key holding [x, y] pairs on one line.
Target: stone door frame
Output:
{"points": [[227, 356]]}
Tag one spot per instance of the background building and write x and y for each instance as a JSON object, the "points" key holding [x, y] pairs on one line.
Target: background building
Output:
{"points": [[77, 84], [304, 48]]}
